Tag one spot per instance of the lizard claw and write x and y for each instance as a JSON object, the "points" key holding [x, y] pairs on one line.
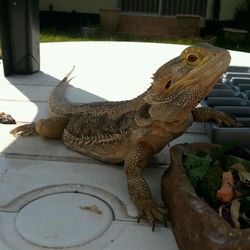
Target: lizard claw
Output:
{"points": [[153, 227], [151, 211], [224, 120], [24, 130], [139, 219]]}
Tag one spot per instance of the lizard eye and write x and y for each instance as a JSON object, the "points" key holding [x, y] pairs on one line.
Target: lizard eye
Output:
{"points": [[192, 58], [168, 84]]}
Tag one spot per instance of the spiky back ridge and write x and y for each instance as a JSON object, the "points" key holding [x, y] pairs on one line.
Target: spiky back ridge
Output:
{"points": [[59, 105]]}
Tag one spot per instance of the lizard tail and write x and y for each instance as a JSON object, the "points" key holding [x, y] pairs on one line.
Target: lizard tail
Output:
{"points": [[58, 104], [65, 81]]}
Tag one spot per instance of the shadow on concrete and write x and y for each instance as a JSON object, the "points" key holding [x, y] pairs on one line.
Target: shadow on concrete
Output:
{"points": [[27, 102]]}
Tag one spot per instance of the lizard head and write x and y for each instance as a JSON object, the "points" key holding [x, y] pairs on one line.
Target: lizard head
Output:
{"points": [[180, 84]]}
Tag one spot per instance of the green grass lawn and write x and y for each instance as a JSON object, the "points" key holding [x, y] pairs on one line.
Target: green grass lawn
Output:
{"points": [[62, 36], [56, 36], [96, 35]]}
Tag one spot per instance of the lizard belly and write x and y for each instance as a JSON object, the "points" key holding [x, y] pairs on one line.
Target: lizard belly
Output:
{"points": [[85, 134], [110, 149]]}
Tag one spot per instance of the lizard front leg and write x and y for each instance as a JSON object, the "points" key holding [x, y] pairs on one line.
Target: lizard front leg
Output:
{"points": [[205, 114], [51, 128], [138, 188]]}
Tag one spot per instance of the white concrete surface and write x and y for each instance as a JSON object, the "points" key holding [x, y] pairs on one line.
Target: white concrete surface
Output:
{"points": [[33, 171]]}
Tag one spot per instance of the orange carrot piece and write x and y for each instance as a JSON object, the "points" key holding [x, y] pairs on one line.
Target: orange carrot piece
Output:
{"points": [[226, 192]]}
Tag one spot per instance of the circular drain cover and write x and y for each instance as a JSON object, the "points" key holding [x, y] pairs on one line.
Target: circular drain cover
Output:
{"points": [[63, 220]]}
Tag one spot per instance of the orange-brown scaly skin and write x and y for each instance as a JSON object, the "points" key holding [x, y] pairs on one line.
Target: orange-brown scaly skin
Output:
{"points": [[132, 131]]}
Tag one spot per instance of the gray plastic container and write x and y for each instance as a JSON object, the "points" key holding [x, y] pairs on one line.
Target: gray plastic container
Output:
{"points": [[231, 95]]}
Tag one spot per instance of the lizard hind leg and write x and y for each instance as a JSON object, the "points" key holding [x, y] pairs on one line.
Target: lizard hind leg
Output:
{"points": [[50, 128]]}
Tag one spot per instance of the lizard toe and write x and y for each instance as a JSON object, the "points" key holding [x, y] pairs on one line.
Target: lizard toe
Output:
{"points": [[152, 212], [224, 120], [228, 121], [233, 122], [24, 130]]}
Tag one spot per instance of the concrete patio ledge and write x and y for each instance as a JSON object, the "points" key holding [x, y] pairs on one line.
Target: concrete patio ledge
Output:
{"points": [[35, 171]]}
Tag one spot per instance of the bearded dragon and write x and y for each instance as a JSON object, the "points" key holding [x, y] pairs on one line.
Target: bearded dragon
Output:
{"points": [[132, 131]]}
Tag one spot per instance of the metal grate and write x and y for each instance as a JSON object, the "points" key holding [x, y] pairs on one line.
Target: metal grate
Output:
{"points": [[166, 7], [144, 6]]}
